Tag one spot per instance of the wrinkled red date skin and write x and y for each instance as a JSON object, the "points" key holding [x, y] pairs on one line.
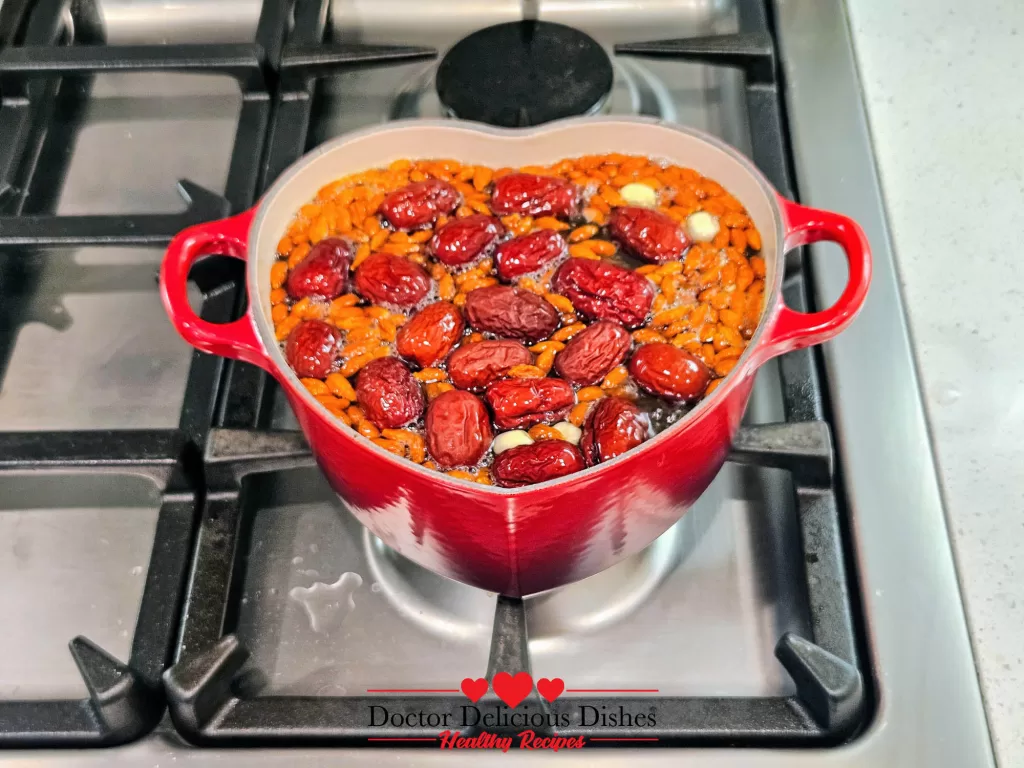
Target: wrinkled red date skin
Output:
{"points": [[647, 234], [388, 279], [613, 427], [529, 464], [475, 366], [388, 394], [458, 429], [324, 271], [528, 253], [531, 195], [603, 291], [669, 372], [312, 348], [510, 312], [431, 334], [524, 402], [592, 353], [420, 203], [461, 240]]}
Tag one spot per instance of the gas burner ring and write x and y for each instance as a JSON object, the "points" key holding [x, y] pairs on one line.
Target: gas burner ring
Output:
{"points": [[459, 612], [440, 606]]}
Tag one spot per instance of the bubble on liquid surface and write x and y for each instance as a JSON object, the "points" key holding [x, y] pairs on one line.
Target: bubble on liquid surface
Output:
{"points": [[327, 605], [137, 570]]}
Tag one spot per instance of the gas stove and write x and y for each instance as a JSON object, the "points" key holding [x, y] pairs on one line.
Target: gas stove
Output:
{"points": [[162, 514]]}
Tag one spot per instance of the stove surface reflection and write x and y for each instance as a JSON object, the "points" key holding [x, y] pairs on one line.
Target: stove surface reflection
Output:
{"points": [[328, 609]]}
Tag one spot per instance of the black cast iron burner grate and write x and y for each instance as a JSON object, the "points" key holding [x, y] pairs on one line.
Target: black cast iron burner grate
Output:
{"points": [[828, 706], [125, 700], [41, 75], [200, 465], [831, 700]]}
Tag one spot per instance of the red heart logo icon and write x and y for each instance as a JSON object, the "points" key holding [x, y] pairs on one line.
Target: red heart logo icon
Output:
{"points": [[512, 690], [550, 689], [474, 689]]}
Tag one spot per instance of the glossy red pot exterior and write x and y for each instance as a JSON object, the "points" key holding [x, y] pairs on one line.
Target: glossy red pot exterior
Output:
{"points": [[526, 540]]}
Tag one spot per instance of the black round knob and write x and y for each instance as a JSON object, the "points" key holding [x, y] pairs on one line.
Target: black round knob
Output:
{"points": [[524, 73]]}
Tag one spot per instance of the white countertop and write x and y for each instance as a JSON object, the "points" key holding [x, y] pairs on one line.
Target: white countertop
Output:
{"points": [[944, 88]]}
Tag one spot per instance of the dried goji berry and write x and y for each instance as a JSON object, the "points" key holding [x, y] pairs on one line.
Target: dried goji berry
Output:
{"points": [[388, 394], [592, 352], [458, 429], [474, 366], [431, 334], [524, 402]]}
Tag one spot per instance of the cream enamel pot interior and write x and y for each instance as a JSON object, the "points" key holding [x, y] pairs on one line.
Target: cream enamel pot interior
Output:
{"points": [[525, 540]]}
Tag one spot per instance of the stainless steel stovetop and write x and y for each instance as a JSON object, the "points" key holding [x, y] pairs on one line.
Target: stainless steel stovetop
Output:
{"points": [[325, 609]]}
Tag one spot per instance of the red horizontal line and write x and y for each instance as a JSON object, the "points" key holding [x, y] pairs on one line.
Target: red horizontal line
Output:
{"points": [[611, 690], [409, 738], [611, 739], [412, 690]]}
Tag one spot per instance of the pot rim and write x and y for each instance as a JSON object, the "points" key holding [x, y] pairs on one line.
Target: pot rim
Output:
{"points": [[746, 365]]}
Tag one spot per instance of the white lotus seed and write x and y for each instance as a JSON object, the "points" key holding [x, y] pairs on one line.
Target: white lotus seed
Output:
{"points": [[639, 194], [702, 227], [511, 439], [569, 431]]}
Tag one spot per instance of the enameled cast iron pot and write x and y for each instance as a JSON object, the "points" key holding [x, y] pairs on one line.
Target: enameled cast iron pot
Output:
{"points": [[530, 539]]}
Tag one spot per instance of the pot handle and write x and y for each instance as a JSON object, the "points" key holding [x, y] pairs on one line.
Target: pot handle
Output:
{"points": [[226, 237], [805, 225]]}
